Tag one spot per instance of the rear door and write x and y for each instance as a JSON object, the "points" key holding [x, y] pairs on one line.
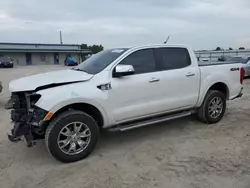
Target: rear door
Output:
{"points": [[179, 78]]}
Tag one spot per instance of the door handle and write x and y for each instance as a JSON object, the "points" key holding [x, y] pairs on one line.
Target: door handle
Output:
{"points": [[190, 74], [154, 80]]}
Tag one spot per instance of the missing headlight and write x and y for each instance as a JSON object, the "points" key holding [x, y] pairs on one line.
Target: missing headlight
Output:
{"points": [[34, 98]]}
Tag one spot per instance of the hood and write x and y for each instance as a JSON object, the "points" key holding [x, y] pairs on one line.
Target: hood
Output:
{"points": [[49, 79]]}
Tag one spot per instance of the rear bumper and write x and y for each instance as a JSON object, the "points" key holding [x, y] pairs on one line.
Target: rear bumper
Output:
{"points": [[71, 64], [239, 95]]}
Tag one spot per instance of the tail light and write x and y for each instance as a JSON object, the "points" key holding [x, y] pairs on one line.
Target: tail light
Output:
{"points": [[242, 74]]}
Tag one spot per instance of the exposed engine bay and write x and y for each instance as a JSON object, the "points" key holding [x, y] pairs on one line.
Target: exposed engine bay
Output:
{"points": [[27, 118]]}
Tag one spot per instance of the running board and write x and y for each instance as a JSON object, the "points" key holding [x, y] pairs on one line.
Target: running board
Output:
{"points": [[149, 122]]}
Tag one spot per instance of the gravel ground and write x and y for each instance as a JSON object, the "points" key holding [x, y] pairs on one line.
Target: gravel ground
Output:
{"points": [[178, 154]]}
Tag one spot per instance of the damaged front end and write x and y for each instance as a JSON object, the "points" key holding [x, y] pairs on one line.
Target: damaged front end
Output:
{"points": [[27, 118]]}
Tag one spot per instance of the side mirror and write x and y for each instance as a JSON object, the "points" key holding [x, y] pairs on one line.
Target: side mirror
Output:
{"points": [[123, 70]]}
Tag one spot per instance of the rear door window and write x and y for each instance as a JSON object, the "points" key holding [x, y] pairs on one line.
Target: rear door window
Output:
{"points": [[172, 58]]}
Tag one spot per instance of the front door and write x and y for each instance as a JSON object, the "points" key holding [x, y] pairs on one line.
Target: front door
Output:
{"points": [[134, 96]]}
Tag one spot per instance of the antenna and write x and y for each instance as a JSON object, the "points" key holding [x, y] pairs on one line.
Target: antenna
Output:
{"points": [[61, 37], [167, 40]]}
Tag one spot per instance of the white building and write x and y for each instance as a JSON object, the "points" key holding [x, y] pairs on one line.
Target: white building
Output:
{"points": [[38, 54]]}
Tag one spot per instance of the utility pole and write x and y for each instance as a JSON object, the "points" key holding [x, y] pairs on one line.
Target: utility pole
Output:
{"points": [[61, 37], [167, 40]]}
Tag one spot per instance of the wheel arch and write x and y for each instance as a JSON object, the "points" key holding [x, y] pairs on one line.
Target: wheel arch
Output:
{"points": [[95, 111], [220, 86]]}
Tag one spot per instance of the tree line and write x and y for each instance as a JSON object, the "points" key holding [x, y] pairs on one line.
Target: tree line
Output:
{"points": [[94, 48]]}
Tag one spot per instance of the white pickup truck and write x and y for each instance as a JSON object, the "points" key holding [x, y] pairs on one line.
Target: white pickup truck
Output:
{"points": [[119, 89]]}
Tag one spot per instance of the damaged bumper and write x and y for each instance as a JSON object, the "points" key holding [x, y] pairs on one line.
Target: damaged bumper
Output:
{"points": [[21, 127], [29, 125], [28, 121]]}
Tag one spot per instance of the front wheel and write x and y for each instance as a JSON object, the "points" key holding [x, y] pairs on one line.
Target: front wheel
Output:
{"points": [[213, 107], [71, 136]]}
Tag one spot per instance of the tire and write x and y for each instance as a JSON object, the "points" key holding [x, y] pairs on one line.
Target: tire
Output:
{"points": [[53, 134], [203, 111]]}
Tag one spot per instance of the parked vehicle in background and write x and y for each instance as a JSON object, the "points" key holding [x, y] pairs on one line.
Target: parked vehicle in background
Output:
{"points": [[70, 61], [246, 65], [6, 62], [204, 59], [245, 60], [119, 90], [230, 58], [222, 58]]}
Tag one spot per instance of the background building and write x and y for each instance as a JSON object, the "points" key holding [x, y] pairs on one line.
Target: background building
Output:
{"points": [[38, 54]]}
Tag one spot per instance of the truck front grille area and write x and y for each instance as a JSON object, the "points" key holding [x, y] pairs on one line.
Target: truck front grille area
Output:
{"points": [[18, 104], [27, 118], [20, 118], [19, 100]]}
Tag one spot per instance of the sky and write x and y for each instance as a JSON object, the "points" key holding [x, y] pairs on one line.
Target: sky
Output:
{"points": [[202, 24]]}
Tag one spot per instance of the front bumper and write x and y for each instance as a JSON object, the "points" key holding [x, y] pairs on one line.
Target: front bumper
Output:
{"points": [[27, 124], [6, 65]]}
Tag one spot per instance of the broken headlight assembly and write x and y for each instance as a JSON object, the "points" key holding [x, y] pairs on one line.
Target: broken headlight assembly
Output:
{"points": [[32, 99]]}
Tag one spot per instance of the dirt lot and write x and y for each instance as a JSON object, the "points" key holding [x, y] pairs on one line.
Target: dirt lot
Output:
{"points": [[177, 154]]}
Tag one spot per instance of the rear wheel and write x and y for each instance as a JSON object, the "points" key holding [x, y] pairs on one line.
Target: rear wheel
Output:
{"points": [[71, 136], [213, 107]]}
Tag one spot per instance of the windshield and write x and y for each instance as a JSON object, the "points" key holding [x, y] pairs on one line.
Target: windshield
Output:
{"points": [[97, 62], [5, 59]]}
